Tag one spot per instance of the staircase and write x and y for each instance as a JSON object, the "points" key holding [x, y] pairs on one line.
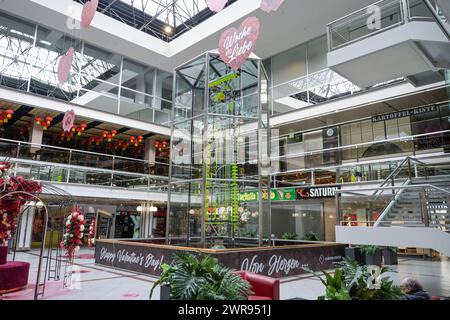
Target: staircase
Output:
{"points": [[417, 214], [414, 208]]}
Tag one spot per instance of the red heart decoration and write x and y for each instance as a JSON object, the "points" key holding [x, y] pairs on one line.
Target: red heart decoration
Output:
{"points": [[235, 46], [64, 66], [89, 10], [271, 5], [216, 5]]}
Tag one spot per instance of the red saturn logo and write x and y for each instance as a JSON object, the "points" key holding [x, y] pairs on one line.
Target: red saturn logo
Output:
{"points": [[303, 193]]}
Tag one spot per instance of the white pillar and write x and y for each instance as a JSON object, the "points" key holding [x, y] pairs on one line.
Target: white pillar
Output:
{"points": [[36, 135], [150, 151]]}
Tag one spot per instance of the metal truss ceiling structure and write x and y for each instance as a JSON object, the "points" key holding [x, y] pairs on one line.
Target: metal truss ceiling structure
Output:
{"points": [[164, 19]]}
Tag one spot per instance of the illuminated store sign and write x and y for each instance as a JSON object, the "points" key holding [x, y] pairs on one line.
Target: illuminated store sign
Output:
{"points": [[404, 113], [317, 192], [275, 195]]}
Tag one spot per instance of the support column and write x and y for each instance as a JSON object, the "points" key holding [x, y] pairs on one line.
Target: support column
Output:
{"points": [[150, 151], [36, 136]]}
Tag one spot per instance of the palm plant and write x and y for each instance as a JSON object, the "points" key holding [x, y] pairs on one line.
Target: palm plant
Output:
{"points": [[202, 278]]}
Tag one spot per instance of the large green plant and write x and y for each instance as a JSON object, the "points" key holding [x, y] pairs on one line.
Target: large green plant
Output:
{"points": [[310, 236], [203, 278], [354, 282], [290, 236], [368, 249]]}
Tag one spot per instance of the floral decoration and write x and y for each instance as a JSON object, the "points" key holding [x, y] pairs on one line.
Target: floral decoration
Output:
{"points": [[91, 235], [10, 205], [74, 233]]}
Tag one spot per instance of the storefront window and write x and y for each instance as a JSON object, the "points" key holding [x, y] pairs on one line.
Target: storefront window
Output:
{"points": [[298, 218]]}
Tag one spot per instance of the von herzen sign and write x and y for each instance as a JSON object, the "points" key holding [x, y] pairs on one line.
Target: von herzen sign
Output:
{"points": [[236, 45]]}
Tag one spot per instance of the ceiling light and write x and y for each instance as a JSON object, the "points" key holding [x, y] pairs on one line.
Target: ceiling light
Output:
{"points": [[39, 204], [168, 30], [139, 209], [153, 209]]}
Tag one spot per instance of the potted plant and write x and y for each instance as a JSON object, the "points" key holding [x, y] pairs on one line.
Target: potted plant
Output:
{"points": [[310, 236], [390, 256], [354, 282], [356, 254], [200, 278], [372, 254], [289, 236]]}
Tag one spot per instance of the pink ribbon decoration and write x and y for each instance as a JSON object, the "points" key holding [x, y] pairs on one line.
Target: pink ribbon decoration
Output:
{"points": [[216, 5], [64, 66], [88, 14], [69, 119], [271, 5], [235, 46]]}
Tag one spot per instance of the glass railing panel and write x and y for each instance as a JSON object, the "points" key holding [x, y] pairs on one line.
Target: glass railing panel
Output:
{"points": [[92, 160], [44, 153], [418, 9], [129, 181], [42, 172], [8, 149], [84, 176], [361, 23]]}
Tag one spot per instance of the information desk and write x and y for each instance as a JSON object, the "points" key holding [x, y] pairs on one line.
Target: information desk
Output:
{"points": [[281, 261]]}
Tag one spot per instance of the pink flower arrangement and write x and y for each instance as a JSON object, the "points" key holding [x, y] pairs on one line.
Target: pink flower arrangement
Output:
{"points": [[73, 237], [91, 236]]}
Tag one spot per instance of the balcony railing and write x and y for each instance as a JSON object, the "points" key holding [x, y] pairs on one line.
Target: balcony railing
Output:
{"points": [[376, 18], [62, 165]]}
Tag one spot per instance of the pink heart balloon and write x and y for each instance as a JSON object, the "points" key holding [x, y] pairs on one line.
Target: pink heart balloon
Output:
{"points": [[216, 5], [89, 10], [271, 5], [64, 66], [235, 46]]}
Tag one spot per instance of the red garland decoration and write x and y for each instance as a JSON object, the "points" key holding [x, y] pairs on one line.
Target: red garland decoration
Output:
{"points": [[91, 239], [10, 206], [74, 234]]}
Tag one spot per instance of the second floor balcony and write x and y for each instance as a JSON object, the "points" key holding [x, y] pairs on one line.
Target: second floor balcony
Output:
{"points": [[391, 39]]}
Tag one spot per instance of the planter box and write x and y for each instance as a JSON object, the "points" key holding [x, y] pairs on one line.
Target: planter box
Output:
{"points": [[164, 292], [356, 254], [390, 257], [373, 259]]}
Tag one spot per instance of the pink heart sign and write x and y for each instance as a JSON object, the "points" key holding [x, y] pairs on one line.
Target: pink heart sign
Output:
{"points": [[88, 13], [216, 5], [69, 119], [64, 66], [235, 46], [271, 5]]}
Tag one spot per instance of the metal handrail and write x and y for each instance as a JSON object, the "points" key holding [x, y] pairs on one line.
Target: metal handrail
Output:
{"points": [[44, 146], [412, 186]]}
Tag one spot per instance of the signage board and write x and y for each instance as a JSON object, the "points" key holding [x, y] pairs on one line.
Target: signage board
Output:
{"points": [[316, 192], [404, 113]]}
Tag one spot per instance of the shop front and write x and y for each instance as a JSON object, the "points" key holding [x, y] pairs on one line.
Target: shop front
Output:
{"points": [[297, 213]]}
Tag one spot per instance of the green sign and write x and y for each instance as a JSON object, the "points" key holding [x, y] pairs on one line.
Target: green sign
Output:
{"points": [[275, 195]]}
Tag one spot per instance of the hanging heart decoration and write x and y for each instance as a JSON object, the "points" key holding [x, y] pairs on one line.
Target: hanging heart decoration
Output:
{"points": [[216, 5], [88, 13], [236, 45], [69, 119], [271, 5], [64, 66]]}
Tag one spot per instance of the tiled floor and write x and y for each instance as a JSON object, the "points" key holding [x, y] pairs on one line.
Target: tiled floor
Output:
{"points": [[93, 282]]}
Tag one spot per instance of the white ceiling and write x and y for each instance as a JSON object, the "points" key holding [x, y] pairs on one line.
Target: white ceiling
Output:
{"points": [[295, 22]]}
